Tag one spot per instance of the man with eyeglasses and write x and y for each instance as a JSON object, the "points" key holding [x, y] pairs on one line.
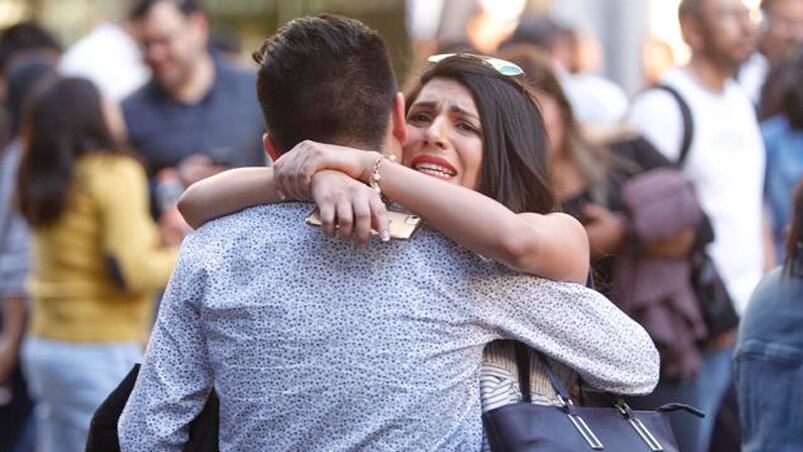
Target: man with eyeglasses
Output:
{"points": [[198, 113]]}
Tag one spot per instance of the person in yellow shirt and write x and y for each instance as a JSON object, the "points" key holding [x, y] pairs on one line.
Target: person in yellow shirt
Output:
{"points": [[96, 257]]}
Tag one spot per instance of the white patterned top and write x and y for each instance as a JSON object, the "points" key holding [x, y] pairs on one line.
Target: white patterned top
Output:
{"points": [[313, 344]]}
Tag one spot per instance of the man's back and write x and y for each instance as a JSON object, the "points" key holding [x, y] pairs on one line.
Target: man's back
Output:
{"points": [[314, 344], [297, 323]]}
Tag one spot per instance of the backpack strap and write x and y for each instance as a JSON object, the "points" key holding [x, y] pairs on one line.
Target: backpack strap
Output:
{"points": [[688, 123]]}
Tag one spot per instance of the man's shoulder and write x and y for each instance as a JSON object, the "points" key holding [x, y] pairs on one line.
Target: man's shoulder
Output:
{"points": [[263, 218], [143, 98], [655, 100], [282, 228]]}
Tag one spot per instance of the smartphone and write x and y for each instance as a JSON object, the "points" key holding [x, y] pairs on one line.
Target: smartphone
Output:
{"points": [[402, 225]]}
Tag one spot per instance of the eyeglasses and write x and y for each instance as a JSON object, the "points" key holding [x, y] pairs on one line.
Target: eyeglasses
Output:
{"points": [[499, 65]]}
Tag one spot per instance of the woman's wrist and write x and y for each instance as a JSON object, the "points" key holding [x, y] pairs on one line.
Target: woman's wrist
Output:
{"points": [[367, 164]]}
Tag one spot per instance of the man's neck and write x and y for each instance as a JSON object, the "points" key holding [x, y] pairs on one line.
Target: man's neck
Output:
{"points": [[198, 83], [710, 75]]}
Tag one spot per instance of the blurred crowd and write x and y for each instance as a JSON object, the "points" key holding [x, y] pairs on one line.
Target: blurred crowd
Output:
{"points": [[88, 238]]}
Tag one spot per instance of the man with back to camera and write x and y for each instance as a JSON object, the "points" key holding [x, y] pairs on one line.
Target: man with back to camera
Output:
{"points": [[312, 344], [725, 163]]}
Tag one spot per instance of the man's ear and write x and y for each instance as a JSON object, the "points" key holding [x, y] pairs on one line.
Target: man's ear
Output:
{"points": [[270, 148], [690, 29], [398, 119], [200, 24]]}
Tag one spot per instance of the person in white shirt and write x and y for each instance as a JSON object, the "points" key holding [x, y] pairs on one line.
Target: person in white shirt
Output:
{"points": [[110, 57], [725, 163]]}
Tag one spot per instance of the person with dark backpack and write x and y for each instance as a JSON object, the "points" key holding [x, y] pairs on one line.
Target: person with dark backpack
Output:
{"points": [[724, 160]]}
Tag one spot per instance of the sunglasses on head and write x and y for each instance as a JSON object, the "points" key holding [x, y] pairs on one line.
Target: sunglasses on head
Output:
{"points": [[499, 65]]}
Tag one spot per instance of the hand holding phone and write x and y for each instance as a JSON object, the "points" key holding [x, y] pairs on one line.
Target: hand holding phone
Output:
{"points": [[348, 208], [402, 225]]}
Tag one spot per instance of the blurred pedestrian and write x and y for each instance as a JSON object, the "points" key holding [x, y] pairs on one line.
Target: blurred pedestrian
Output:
{"points": [[23, 42], [725, 162], [96, 257], [110, 57], [16, 420], [783, 137], [597, 102], [780, 32], [769, 355], [198, 113]]}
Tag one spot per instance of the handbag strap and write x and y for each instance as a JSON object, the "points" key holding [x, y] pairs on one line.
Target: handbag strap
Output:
{"points": [[524, 365]]}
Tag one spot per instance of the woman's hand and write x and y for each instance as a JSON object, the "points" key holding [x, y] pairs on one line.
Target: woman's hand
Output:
{"points": [[347, 207], [294, 171], [606, 231]]}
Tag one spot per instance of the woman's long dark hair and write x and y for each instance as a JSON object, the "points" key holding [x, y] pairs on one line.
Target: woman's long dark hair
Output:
{"points": [[793, 264], [514, 170], [592, 162], [63, 121]]}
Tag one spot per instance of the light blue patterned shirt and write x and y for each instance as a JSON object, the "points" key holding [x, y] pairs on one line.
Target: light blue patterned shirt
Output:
{"points": [[313, 344]]}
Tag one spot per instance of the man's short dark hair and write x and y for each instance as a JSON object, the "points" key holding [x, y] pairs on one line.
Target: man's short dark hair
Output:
{"points": [[325, 78], [25, 37], [690, 8], [140, 8]]}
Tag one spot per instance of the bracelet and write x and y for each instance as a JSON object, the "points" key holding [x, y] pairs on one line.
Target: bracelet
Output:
{"points": [[376, 177]]}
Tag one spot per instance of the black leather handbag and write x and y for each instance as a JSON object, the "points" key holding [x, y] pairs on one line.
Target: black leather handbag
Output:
{"points": [[523, 426]]}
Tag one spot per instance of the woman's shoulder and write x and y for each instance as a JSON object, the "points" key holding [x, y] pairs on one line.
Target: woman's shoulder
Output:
{"points": [[108, 172]]}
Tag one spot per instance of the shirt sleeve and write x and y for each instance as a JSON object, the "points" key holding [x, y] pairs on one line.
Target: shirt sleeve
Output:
{"points": [[657, 116], [14, 260], [130, 237], [578, 327], [175, 379]]}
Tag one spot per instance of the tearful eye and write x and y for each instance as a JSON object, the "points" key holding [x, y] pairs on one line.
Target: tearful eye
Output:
{"points": [[418, 117], [465, 127]]}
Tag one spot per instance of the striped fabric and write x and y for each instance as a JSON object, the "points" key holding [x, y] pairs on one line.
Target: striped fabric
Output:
{"points": [[499, 384], [13, 230]]}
